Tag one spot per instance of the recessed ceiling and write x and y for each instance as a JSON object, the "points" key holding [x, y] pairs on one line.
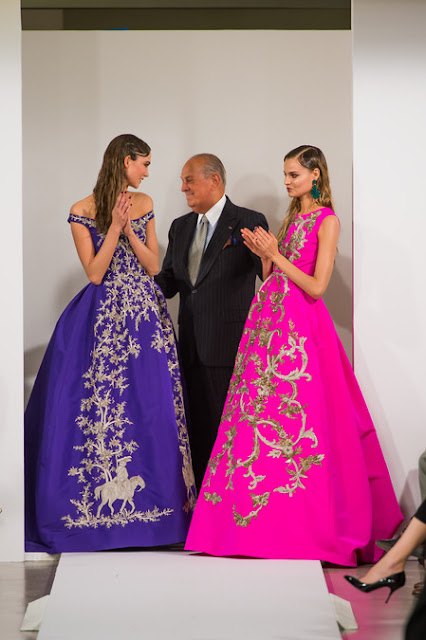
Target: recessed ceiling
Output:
{"points": [[185, 14], [185, 4]]}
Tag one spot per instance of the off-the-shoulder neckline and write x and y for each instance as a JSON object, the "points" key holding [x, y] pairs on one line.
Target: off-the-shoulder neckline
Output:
{"points": [[93, 219]]}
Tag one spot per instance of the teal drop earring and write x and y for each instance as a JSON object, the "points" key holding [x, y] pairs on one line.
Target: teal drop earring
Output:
{"points": [[315, 193]]}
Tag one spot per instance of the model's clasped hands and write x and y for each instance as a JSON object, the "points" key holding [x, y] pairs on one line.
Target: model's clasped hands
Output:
{"points": [[263, 243], [121, 213]]}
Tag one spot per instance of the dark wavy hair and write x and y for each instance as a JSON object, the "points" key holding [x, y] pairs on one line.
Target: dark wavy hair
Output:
{"points": [[111, 175]]}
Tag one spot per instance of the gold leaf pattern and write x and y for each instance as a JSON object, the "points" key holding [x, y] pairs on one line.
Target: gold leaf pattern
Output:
{"points": [[286, 361], [294, 242], [130, 299], [212, 497]]}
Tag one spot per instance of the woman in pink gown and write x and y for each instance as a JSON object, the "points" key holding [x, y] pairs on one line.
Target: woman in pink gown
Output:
{"points": [[296, 470]]}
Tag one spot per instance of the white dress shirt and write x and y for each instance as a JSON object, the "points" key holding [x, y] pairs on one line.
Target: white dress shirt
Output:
{"points": [[213, 216]]}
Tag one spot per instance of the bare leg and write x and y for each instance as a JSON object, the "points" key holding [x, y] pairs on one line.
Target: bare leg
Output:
{"points": [[394, 560]]}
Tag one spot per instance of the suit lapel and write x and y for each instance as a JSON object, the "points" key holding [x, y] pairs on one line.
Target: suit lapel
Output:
{"points": [[226, 224], [183, 242]]}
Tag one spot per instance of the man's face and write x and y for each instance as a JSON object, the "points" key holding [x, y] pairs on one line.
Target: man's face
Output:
{"points": [[200, 191]]}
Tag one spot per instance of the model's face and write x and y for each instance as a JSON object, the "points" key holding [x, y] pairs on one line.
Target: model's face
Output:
{"points": [[136, 170], [298, 179], [200, 191]]}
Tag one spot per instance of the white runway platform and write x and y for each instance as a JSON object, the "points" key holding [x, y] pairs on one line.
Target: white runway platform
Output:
{"points": [[159, 595]]}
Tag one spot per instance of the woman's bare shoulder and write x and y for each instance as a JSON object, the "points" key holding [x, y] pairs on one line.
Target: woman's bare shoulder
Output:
{"points": [[142, 204], [84, 208]]}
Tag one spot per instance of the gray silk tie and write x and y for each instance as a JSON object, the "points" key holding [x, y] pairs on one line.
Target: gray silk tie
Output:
{"points": [[197, 249]]}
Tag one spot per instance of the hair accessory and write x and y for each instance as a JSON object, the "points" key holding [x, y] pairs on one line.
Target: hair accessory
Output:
{"points": [[315, 192]]}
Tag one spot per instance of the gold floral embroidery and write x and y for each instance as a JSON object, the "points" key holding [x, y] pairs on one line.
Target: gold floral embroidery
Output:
{"points": [[286, 361], [259, 502], [294, 242], [130, 297], [212, 497]]}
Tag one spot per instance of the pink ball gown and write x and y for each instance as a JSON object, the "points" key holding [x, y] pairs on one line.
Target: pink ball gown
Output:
{"points": [[296, 470]]}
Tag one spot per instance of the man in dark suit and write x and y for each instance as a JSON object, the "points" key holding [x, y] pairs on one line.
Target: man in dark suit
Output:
{"points": [[214, 273]]}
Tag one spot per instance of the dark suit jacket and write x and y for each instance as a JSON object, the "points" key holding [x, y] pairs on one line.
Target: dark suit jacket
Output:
{"points": [[213, 311]]}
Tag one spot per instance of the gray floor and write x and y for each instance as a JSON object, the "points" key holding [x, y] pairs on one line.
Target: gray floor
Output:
{"points": [[21, 583], [376, 619]]}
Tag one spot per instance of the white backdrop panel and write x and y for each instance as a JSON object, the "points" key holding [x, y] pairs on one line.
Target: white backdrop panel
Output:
{"points": [[248, 96], [390, 227], [11, 342]]}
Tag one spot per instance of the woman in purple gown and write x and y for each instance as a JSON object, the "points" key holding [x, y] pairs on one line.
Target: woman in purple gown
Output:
{"points": [[107, 458]]}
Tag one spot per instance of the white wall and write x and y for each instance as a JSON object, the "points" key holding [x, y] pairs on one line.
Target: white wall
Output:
{"points": [[247, 96], [11, 342], [389, 75], [82, 89]]}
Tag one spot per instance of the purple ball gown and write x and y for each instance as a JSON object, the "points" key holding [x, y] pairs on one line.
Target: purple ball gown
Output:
{"points": [[296, 470], [107, 457]]}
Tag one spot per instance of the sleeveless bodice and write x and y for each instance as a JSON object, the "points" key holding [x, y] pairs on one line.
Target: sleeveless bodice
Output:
{"points": [[300, 245]]}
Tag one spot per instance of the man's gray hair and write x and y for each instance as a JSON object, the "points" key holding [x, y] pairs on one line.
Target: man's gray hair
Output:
{"points": [[211, 164]]}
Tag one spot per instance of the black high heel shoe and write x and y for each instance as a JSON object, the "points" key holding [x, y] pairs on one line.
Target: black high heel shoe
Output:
{"points": [[394, 582]]}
